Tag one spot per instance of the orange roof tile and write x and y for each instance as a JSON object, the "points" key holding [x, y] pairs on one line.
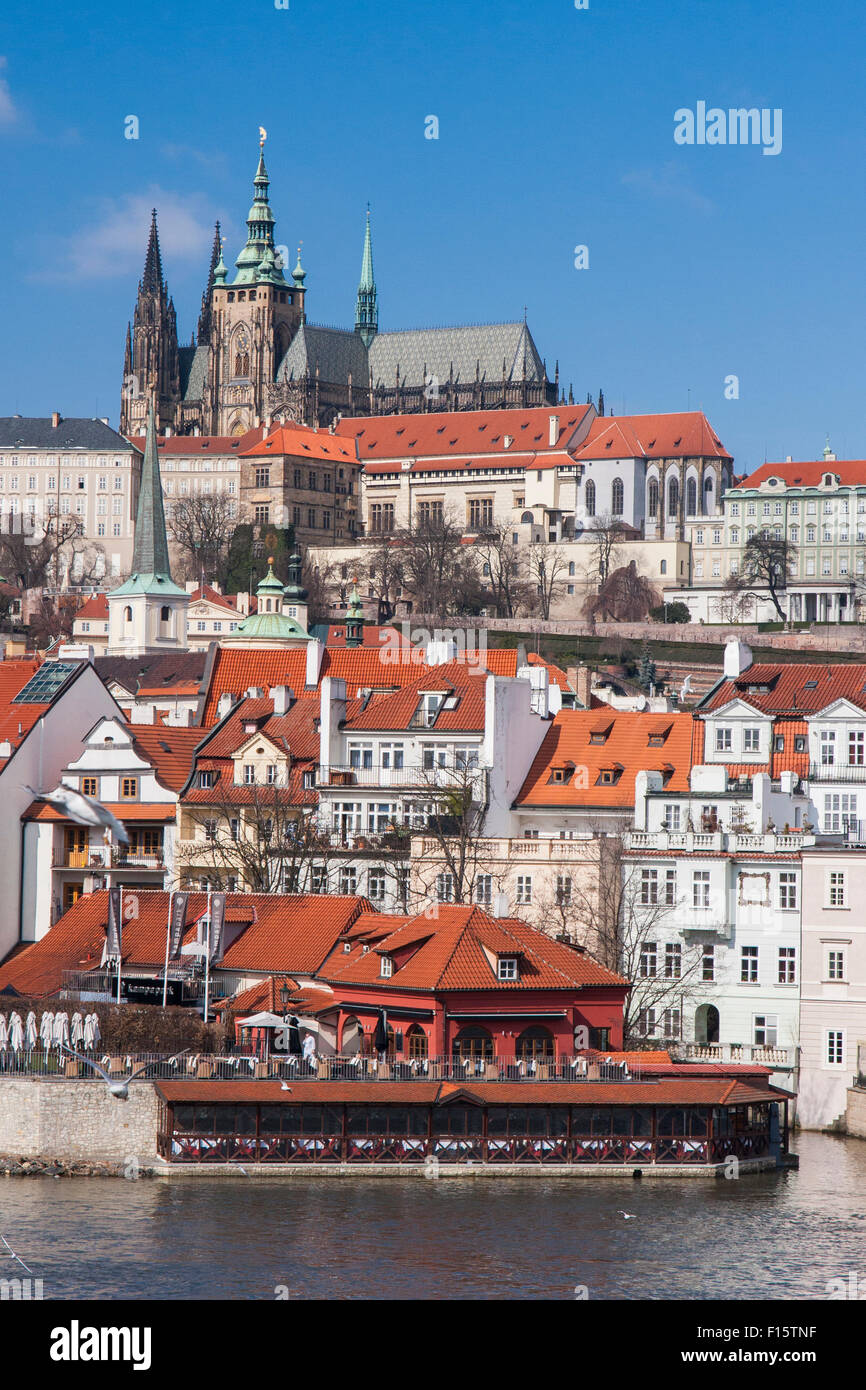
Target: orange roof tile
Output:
{"points": [[201, 444], [96, 607], [625, 751], [465, 433], [792, 688], [850, 472], [298, 441], [685, 434]]}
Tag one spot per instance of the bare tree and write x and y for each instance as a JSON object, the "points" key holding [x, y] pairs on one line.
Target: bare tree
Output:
{"points": [[435, 567], [451, 810], [605, 535], [625, 596], [318, 580], [548, 573], [201, 528], [735, 602], [768, 561], [48, 553], [383, 571], [265, 844], [629, 917], [504, 573]]}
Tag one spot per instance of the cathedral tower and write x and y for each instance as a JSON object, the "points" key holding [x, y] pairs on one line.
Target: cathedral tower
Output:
{"points": [[151, 365], [366, 307], [253, 319]]}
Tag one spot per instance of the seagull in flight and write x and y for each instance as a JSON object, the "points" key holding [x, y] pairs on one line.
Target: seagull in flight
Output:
{"points": [[627, 1215], [14, 1256], [118, 1089], [84, 810], [284, 1087]]}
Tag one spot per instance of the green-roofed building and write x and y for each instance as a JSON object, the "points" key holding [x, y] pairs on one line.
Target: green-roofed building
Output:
{"points": [[280, 619]]}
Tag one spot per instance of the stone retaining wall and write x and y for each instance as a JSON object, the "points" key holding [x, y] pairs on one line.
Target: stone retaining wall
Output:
{"points": [[855, 1113], [69, 1119], [850, 637]]}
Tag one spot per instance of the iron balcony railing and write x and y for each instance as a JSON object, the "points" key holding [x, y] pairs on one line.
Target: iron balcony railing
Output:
{"points": [[837, 772], [416, 775]]}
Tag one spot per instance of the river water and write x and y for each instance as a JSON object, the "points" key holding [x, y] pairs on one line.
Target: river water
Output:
{"points": [[779, 1235]]}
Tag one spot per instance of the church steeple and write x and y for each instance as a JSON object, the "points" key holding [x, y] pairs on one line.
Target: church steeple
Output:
{"points": [[151, 366], [260, 229], [366, 308], [204, 318], [150, 546]]}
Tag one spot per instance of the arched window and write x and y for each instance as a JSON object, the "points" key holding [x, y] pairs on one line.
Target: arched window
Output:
{"points": [[663, 567], [416, 1042], [527, 519], [590, 498], [691, 497], [535, 1042], [127, 614], [709, 494], [165, 613], [652, 504], [472, 1042], [673, 497], [617, 497], [353, 1037]]}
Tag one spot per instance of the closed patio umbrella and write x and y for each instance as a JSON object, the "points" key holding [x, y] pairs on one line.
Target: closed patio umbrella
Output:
{"points": [[76, 1032], [31, 1036], [92, 1034], [46, 1029], [4, 1033], [61, 1030], [16, 1032], [380, 1037], [294, 1038]]}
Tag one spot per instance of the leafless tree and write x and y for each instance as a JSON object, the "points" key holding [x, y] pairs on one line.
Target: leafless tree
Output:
{"points": [[48, 553], [265, 844], [605, 536], [624, 596], [318, 580], [735, 602], [768, 561], [201, 528], [451, 810], [503, 570], [548, 573], [383, 573]]}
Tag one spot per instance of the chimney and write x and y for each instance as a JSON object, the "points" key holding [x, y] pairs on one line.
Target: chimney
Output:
{"points": [[738, 658], [55, 420], [580, 680], [191, 585], [283, 697], [224, 704], [500, 905], [553, 430], [243, 603]]}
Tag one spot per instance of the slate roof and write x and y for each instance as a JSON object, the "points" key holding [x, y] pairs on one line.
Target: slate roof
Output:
{"points": [[36, 432], [162, 671], [193, 372], [336, 352]]}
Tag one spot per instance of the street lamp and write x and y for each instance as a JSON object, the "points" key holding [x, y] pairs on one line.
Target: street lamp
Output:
{"points": [[285, 995]]}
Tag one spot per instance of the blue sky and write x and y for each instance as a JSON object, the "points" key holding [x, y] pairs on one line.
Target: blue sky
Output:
{"points": [[555, 130]]}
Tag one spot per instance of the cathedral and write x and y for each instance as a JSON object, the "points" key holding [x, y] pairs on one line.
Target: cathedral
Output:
{"points": [[254, 359]]}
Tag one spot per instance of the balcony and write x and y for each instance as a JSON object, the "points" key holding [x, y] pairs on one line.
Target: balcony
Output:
{"points": [[414, 776], [758, 1054], [719, 841], [101, 857], [851, 774]]}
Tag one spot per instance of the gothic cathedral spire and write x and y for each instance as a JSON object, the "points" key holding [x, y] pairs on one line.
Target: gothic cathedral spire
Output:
{"points": [[204, 318], [366, 308], [151, 363]]}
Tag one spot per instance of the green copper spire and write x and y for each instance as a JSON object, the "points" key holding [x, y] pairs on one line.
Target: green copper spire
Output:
{"points": [[299, 275], [294, 591], [354, 618], [260, 231], [366, 309], [151, 567]]}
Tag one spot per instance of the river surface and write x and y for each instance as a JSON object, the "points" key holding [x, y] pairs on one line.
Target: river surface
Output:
{"points": [[778, 1235]]}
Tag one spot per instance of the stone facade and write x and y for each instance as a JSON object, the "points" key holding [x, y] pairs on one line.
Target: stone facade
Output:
{"points": [[77, 1119]]}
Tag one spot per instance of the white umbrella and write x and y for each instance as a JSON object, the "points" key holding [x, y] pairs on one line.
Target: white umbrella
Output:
{"points": [[16, 1032], [3, 1033], [46, 1029], [77, 1030], [30, 1034], [61, 1030], [91, 1032]]}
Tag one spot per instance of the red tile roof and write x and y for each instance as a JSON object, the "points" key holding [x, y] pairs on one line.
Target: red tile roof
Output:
{"points": [[850, 472], [463, 434], [125, 811], [16, 721], [503, 662], [96, 607], [284, 933], [449, 954], [298, 441], [686, 434], [169, 751], [462, 682], [625, 750], [794, 688]]}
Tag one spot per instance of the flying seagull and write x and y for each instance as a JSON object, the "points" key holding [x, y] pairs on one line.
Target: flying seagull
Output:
{"points": [[627, 1215], [14, 1256], [84, 810], [118, 1089], [685, 688], [284, 1087]]}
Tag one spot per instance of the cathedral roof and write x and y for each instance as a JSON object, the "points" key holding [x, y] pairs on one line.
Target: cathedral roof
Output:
{"points": [[40, 432], [336, 352], [193, 372], [434, 351]]}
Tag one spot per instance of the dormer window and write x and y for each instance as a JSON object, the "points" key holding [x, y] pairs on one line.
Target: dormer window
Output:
{"points": [[600, 734], [609, 776], [386, 969], [561, 775], [506, 968], [206, 779]]}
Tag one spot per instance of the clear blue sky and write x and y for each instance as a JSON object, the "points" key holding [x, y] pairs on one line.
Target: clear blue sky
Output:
{"points": [[556, 129]]}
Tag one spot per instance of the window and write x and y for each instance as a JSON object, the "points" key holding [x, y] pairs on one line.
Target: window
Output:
{"points": [[648, 960], [787, 890], [311, 516], [856, 748], [701, 888], [480, 513], [128, 787], [835, 1052], [563, 890], [649, 888], [671, 1023], [386, 967], [749, 965], [735, 535], [262, 514], [589, 498], [524, 888], [787, 965], [723, 740], [89, 786], [484, 889], [840, 810], [751, 739], [835, 965], [445, 888], [617, 497], [672, 815], [766, 1032], [206, 779], [670, 887], [673, 960], [646, 1023], [708, 963], [263, 477], [271, 773], [348, 880], [249, 775], [506, 968], [836, 889], [376, 885], [828, 747]]}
